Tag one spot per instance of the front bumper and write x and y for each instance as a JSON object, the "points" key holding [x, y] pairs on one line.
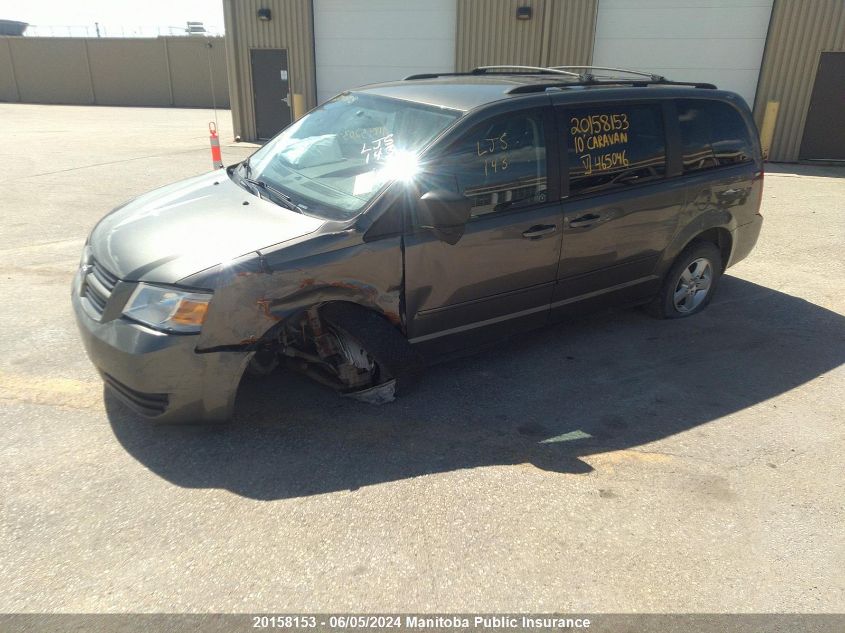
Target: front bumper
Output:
{"points": [[158, 375]]}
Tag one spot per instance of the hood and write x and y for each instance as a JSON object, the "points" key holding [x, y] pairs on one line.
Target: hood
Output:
{"points": [[183, 228]]}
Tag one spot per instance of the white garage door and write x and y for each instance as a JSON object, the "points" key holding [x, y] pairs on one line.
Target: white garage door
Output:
{"points": [[366, 41], [717, 41]]}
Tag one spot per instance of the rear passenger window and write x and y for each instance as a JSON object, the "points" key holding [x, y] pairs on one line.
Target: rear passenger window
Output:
{"points": [[713, 134], [614, 147], [500, 164]]}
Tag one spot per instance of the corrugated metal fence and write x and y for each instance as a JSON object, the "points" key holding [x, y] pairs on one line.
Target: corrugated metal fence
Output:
{"points": [[163, 71]]}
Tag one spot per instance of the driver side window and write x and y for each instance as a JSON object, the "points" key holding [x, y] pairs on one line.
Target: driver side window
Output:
{"points": [[499, 164]]}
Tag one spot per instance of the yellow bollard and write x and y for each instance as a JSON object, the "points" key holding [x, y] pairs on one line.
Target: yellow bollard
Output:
{"points": [[767, 130], [298, 106]]}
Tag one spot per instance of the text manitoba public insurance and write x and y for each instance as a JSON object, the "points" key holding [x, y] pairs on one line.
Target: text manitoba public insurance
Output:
{"points": [[496, 622]]}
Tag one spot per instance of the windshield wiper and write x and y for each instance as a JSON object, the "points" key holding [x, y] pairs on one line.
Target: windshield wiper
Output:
{"points": [[287, 201]]}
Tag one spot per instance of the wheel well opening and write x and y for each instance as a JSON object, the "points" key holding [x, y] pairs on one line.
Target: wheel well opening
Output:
{"points": [[722, 239], [345, 345], [276, 338]]}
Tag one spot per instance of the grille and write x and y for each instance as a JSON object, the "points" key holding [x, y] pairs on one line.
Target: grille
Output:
{"points": [[103, 276], [98, 302], [149, 404], [98, 287]]}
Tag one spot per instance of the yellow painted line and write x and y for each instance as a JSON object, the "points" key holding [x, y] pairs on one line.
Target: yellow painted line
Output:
{"points": [[607, 461], [59, 392], [627, 455]]}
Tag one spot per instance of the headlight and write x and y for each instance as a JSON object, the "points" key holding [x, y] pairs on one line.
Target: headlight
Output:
{"points": [[168, 309]]}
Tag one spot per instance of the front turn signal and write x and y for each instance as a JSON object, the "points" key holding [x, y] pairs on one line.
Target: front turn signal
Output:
{"points": [[190, 312]]}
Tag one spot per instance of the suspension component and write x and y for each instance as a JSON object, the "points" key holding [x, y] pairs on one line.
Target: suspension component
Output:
{"points": [[323, 342]]}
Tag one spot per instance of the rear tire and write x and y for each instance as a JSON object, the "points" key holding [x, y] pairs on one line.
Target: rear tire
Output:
{"points": [[690, 283], [395, 357]]}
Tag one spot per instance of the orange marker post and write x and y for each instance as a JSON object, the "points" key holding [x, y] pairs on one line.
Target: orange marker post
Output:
{"points": [[216, 158]]}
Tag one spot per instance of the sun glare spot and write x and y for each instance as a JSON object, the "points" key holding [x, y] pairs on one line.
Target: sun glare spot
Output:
{"points": [[401, 165]]}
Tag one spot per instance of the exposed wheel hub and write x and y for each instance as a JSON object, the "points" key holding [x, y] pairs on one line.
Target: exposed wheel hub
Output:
{"points": [[357, 367]]}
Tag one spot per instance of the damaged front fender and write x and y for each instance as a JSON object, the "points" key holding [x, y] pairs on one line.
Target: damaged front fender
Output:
{"points": [[257, 292]]}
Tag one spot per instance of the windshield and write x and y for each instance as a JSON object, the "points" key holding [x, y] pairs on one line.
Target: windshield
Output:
{"points": [[335, 159]]}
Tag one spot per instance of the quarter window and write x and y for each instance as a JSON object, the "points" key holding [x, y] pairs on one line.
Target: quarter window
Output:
{"points": [[499, 164], [614, 147], [713, 134]]}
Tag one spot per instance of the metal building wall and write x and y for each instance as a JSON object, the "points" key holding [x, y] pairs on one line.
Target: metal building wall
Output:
{"points": [[558, 33], [572, 31], [798, 33], [291, 27]]}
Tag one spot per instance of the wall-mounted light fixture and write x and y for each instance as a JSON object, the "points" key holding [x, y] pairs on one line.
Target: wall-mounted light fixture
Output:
{"points": [[264, 15], [523, 13]]}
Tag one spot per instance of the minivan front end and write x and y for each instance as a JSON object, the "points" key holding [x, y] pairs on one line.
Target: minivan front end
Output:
{"points": [[140, 323], [156, 372], [177, 288]]}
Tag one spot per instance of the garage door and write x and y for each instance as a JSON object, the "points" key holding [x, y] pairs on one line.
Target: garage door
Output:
{"points": [[718, 41], [366, 41]]}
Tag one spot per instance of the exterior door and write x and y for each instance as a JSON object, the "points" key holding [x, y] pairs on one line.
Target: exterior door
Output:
{"points": [[824, 131], [271, 96], [620, 213], [502, 270]]}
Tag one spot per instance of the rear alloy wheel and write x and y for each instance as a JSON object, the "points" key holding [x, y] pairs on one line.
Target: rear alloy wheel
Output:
{"points": [[690, 283], [693, 285]]}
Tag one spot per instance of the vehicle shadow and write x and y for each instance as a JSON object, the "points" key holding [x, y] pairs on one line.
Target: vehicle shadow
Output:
{"points": [[548, 398]]}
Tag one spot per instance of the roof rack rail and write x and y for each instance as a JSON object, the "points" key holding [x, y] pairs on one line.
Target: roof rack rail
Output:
{"points": [[503, 70], [591, 74], [637, 83], [530, 70], [588, 78]]}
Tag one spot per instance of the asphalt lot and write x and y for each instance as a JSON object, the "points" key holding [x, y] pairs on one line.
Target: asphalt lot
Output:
{"points": [[614, 464]]}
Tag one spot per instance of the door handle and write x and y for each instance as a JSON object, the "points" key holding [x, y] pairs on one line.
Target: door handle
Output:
{"points": [[539, 230], [584, 220]]}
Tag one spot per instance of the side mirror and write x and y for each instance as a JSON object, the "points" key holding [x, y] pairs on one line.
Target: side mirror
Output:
{"points": [[445, 213]]}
